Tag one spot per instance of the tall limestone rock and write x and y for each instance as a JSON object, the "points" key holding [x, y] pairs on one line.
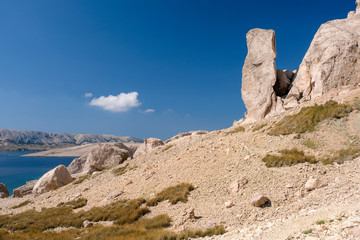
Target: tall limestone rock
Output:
{"points": [[332, 60], [262, 83]]}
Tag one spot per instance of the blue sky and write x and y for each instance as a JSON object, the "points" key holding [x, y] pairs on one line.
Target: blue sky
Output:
{"points": [[170, 66]]}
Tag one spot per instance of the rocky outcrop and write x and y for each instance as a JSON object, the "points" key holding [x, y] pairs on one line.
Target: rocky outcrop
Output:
{"points": [[3, 191], [148, 145], [25, 189], [259, 73], [104, 156], [332, 59], [52, 180]]}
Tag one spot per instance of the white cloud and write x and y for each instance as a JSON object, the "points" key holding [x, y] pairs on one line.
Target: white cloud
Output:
{"points": [[149, 110], [120, 103], [88, 95]]}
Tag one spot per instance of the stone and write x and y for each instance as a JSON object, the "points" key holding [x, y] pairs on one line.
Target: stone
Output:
{"points": [[282, 83], [105, 156], [25, 189], [228, 204], [52, 180], [332, 59], [87, 224], [259, 200], [351, 14], [356, 231], [312, 183], [259, 73], [236, 185], [148, 145], [290, 103], [4, 193]]}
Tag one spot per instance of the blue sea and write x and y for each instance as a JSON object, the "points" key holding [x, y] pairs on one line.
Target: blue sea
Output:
{"points": [[16, 170]]}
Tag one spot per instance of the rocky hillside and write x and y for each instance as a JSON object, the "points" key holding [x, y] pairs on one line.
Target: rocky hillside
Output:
{"points": [[290, 170], [14, 140]]}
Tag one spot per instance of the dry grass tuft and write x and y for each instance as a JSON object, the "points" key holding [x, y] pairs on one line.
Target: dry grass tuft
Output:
{"points": [[309, 117], [78, 203], [342, 155], [22, 204], [257, 128], [167, 147], [81, 179], [310, 144], [287, 157], [235, 130], [174, 194], [120, 170]]}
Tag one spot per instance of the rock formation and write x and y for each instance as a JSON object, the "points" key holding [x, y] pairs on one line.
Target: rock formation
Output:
{"points": [[25, 189], [148, 145], [186, 134], [332, 59], [3, 191], [104, 156], [330, 62], [52, 180]]}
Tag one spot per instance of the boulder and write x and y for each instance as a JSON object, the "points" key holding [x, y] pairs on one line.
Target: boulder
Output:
{"points": [[52, 180], [236, 185], [332, 59], [25, 189], [229, 204], [312, 183], [4, 193], [259, 73], [106, 155], [289, 74], [259, 200], [148, 145]]}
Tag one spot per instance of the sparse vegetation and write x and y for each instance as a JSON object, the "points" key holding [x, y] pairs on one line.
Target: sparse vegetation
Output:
{"points": [[127, 215], [320, 222], [81, 179], [120, 170], [307, 231], [174, 194], [167, 147], [258, 127], [310, 144], [287, 157], [22, 204], [342, 155], [78, 203], [309, 117], [235, 130]]}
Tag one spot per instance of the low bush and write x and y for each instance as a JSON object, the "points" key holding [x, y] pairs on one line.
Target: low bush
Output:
{"points": [[174, 194], [342, 155], [309, 117], [235, 130], [22, 204], [257, 128], [310, 144], [81, 179], [287, 157], [78, 203]]}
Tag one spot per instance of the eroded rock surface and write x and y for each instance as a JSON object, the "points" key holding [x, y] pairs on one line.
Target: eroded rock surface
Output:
{"points": [[3, 191], [332, 59]]}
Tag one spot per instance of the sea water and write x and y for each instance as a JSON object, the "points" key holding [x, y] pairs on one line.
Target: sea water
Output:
{"points": [[16, 170]]}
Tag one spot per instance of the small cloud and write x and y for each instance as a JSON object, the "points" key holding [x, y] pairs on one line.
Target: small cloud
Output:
{"points": [[149, 110], [88, 95], [120, 103]]}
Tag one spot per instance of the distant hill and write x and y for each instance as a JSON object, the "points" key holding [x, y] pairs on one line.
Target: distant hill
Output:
{"points": [[16, 140]]}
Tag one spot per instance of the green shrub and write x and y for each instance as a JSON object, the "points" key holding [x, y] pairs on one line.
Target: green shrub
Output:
{"points": [[235, 130], [174, 194], [309, 117], [320, 222], [342, 155], [307, 231], [287, 157], [78, 203], [310, 144], [22, 204]]}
